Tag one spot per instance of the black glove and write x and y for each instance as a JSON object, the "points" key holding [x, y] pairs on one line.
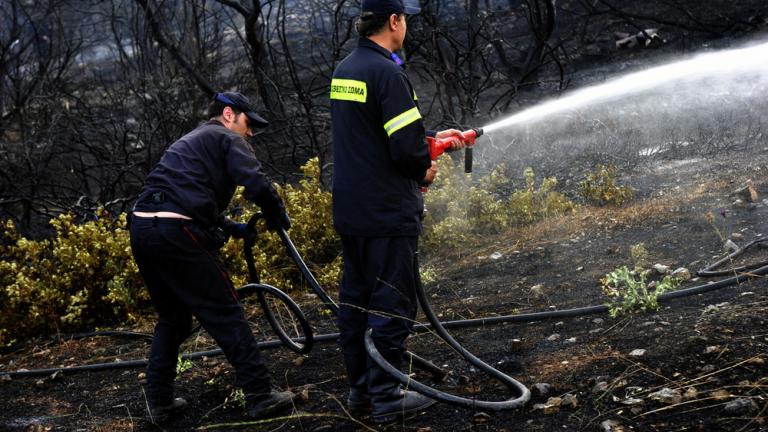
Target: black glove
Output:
{"points": [[241, 231], [278, 220]]}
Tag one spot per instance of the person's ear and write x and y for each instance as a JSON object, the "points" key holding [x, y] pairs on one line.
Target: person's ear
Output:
{"points": [[394, 21], [228, 114]]}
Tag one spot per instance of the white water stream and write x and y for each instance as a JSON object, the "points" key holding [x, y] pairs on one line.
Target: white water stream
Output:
{"points": [[734, 63]]}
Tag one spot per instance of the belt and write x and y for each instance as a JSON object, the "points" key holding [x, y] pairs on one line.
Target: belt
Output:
{"points": [[161, 214]]}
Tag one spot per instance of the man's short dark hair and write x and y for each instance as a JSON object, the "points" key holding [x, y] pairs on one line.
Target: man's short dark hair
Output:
{"points": [[216, 108], [369, 24]]}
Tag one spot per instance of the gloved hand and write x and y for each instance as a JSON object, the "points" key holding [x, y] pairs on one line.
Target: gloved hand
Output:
{"points": [[241, 231], [278, 220]]}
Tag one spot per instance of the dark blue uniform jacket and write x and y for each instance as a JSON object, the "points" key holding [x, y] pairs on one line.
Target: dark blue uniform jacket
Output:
{"points": [[379, 147], [198, 174]]}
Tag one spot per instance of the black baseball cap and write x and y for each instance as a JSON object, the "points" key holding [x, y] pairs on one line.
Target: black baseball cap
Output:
{"points": [[387, 7], [241, 103]]}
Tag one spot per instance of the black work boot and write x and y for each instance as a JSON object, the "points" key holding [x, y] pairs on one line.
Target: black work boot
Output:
{"points": [[158, 413], [389, 401], [358, 401], [265, 404]]}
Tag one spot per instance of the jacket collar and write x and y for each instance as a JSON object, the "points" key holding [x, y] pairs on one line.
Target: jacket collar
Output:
{"points": [[367, 43]]}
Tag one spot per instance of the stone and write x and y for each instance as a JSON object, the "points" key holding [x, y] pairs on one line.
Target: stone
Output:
{"points": [[681, 273], [730, 246], [541, 389], [746, 193], [570, 400], [690, 393], [667, 396], [552, 405], [611, 426], [740, 406], [637, 352]]}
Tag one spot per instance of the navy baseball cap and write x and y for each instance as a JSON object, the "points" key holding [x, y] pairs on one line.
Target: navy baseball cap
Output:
{"points": [[241, 103], [387, 7]]}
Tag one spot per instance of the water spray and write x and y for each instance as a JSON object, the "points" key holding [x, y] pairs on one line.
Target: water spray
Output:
{"points": [[741, 60]]}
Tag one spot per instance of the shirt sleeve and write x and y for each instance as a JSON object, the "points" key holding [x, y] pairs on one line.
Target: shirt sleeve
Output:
{"points": [[403, 124], [246, 170]]}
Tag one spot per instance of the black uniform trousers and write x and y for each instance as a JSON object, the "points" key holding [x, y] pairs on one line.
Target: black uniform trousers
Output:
{"points": [[185, 277], [378, 290]]}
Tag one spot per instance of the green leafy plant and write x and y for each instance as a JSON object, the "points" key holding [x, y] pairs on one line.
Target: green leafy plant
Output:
{"points": [[599, 187], [237, 398], [628, 291], [182, 365]]}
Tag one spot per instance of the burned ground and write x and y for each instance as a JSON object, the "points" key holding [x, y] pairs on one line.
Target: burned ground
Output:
{"points": [[710, 348]]}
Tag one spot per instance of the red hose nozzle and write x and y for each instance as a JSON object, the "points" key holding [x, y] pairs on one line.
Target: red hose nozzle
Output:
{"points": [[438, 146]]}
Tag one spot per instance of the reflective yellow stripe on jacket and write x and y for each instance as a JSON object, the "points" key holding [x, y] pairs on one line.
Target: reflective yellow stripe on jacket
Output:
{"points": [[402, 121], [348, 90]]}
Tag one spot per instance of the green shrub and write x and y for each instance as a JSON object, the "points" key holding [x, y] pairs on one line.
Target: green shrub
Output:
{"points": [[458, 210], [599, 187], [84, 275]]}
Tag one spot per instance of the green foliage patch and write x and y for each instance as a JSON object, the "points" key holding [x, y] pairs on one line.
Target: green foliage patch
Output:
{"points": [[457, 210], [600, 188], [84, 275]]}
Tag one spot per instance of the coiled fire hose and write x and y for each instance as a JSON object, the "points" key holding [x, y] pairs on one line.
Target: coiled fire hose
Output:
{"points": [[738, 277]]}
